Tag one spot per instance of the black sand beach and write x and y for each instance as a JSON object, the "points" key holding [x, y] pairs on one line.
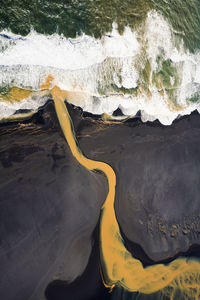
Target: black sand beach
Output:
{"points": [[50, 205], [158, 180]]}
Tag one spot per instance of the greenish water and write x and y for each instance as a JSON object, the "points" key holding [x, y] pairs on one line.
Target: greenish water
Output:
{"points": [[72, 17], [154, 66]]}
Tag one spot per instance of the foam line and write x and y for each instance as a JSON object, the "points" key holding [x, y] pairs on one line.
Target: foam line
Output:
{"points": [[142, 70]]}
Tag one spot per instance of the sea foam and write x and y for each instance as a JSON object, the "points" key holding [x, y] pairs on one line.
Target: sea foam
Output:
{"points": [[137, 71]]}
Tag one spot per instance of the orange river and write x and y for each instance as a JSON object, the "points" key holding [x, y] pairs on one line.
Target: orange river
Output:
{"points": [[118, 266]]}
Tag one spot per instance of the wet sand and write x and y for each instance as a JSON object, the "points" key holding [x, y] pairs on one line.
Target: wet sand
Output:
{"points": [[50, 205], [49, 208], [158, 180]]}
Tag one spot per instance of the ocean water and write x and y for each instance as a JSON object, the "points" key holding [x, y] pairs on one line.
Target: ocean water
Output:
{"points": [[107, 55], [131, 55]]}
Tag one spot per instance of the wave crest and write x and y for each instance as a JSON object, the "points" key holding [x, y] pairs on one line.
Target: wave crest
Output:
{"points": [[142, 71]]}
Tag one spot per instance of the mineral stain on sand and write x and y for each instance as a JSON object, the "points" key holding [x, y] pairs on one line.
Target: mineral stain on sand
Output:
{"points": [[15, 94], [119, 267]]}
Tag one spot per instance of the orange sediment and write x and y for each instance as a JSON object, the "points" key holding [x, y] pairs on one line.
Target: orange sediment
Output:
{"points": [[118, 266], [16, 94], [47, 84]]}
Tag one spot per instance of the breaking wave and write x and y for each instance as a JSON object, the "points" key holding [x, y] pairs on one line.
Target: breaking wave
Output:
{"points": [[147, 70]]}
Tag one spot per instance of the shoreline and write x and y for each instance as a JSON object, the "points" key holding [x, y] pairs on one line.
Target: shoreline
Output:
{"points": [[91, 133]]}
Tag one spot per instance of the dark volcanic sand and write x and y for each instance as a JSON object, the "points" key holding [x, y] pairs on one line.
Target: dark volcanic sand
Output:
{"points": [[49, 208], [158, 180], [50, 205]]}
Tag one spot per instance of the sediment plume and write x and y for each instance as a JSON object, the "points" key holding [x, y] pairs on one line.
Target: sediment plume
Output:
{"points": [[119, 267]]}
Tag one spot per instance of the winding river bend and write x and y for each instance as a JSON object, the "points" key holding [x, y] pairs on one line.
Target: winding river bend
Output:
{"points": [[119, 267]]}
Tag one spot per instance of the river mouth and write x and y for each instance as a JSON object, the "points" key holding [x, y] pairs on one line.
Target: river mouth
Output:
{"points": [[25, 146], [99, 150]]}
